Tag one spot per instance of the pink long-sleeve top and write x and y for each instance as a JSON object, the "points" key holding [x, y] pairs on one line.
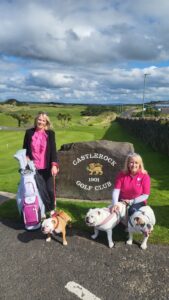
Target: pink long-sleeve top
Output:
{"points": [[39, 147]]}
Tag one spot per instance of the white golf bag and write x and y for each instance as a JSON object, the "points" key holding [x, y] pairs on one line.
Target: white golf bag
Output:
{"points": [[28, 199]]}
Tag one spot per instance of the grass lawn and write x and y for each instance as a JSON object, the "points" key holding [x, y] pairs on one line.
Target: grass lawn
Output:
{"points": [[79, 130]]}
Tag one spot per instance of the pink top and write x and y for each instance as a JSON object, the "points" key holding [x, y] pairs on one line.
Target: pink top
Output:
{"points": [[132, 186], [39, 146]]}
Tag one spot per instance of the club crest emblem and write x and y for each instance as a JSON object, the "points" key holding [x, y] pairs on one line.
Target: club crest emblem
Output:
{"points": [[95, 169]]}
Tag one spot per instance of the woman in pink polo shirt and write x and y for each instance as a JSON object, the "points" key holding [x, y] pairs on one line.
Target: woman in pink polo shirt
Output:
{"points": [[132, 184], [40, 146]]}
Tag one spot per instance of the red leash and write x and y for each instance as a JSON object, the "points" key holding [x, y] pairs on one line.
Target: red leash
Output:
{"points": [[54, 187]]}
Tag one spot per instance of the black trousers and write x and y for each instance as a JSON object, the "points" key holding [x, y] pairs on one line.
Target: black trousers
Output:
{"points": [[45, 185], [133, 208]]}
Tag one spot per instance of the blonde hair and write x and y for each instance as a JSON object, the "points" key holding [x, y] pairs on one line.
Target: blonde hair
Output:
{"points": [[139, 159], [48, 122]]}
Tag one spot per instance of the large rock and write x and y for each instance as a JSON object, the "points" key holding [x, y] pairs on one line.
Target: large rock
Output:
{"points": [[88, 169]]}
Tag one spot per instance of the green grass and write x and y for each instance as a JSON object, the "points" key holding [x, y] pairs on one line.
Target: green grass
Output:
{"points": [[77, 210], [11, 141], [78, 130]]}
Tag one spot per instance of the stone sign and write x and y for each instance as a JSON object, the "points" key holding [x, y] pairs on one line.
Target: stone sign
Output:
{"points": [[88, 169]]}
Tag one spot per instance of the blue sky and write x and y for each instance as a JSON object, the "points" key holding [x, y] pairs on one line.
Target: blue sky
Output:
{"points": [[84, 51]]}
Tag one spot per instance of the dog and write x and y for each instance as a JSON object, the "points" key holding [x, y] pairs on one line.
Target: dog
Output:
{"points": [[56, 224], [142, 221], [102, 219]]}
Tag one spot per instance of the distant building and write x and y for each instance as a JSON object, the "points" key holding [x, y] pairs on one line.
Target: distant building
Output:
{"points": [[163, 108]]}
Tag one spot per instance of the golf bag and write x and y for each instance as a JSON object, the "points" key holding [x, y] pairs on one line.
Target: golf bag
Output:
{"points": [[28, 199]]}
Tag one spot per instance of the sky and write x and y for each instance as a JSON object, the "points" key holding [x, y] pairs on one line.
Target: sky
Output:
{"points": [[84, 51]]}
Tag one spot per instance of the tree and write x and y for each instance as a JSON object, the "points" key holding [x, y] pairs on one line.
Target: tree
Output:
{"points": [[64, 119], [21, 118], [95, 110]]}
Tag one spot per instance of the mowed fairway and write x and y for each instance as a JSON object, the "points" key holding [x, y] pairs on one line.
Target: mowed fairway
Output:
{"points": [[11, 140]]}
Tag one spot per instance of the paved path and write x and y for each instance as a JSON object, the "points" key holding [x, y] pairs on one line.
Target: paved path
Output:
{"points": [[12, 128], [5, 196], [36, 270]]}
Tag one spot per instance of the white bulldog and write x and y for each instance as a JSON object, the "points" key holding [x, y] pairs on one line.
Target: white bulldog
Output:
{"points": [[102, 219], [141, 221]]}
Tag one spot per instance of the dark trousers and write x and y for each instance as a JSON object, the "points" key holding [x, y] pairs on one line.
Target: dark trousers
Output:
{"points": [[133, 208], [45, 184]]}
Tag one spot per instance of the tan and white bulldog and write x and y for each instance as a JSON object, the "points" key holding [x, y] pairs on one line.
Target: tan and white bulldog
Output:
{"points": [[56, 224], [102, 219], [142, 221]]}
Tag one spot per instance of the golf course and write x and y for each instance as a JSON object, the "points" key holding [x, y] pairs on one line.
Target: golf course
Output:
{"points": [[72, 124]]}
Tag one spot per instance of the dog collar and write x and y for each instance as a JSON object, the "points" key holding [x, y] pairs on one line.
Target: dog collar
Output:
{"points": [[55, 219]]}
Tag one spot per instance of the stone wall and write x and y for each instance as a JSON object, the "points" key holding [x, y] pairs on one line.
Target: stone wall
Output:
{"points": [[88, 169], [153, 131]]}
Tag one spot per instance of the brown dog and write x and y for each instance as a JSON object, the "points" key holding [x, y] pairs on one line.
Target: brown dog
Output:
{"points": [[56, 224]]}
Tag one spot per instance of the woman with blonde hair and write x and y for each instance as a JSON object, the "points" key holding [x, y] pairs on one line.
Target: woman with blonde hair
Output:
{"points": [[139, 160], [132, 184], [40, 146]]}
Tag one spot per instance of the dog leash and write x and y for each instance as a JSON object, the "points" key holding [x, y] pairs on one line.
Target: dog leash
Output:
{"points": [[107, 219], [54, 187]]}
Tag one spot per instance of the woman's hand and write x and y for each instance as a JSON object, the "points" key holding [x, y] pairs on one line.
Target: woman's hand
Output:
{"points": [[114, 208], [54, 170]]}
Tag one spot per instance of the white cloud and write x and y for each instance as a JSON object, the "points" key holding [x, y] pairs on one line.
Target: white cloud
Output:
{"points": [[94, 50], [50, 79]]}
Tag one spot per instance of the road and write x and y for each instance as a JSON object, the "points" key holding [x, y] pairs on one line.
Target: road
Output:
{"points": [[128, 113], [34, 269]]}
